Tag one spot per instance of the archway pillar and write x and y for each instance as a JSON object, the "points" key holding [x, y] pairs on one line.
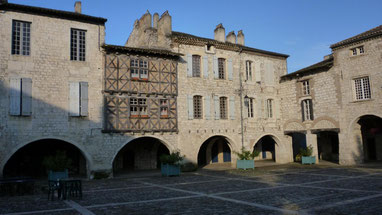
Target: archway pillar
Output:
{"points": [[311, 140]]}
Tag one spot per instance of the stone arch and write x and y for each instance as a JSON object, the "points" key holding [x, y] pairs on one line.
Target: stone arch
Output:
{"points": [[324, 122], [206, 150], [86, 156], [294, 125], [277, 145]]}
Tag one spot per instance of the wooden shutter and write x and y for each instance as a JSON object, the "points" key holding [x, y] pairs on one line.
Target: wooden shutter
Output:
{"points": [[205, 66], [207, 107], [74, 99], [216, 68], [26, 96], [245, 106], [190, 103], [259, 106], [217, 107], [230, 69], [232, 107], [15, 96], [257, 72], [189, 65], [302, 111], [84, 98], [311, 109]]}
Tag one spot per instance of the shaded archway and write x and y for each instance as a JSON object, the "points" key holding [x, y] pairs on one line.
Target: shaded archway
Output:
{"points": [[371, 130], [27, 161], [214, 150], [266, 145], [328, 146], [298, 142], [140, 154]]}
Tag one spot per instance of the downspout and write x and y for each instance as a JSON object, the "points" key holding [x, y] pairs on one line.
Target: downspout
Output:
{"points": [[241, 101]]}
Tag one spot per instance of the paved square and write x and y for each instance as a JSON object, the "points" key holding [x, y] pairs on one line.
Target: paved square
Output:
{"points": [[284, 189]]}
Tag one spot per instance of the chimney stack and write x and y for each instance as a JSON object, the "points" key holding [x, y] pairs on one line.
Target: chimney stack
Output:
{"points": [[240, 38], [231, 37], [220, 33], [77, 7], [155, 20]]}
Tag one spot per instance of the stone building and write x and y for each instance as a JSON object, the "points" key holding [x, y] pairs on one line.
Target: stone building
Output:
{"points": [[337, 102], [115, 108]]}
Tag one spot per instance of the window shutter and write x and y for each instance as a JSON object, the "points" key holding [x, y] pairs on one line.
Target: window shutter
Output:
{"points": [[190, 107], [217, 107], [311, 109], [230, 70], [15, 96], [207, 107], [216, 72], [26, 96], [265, 103], [302, 111], [205, 66], [232, 107], [189, 65], [257, 72], [245, 107], [74, 99], [84, 98], [277, 109], [259, 105]]}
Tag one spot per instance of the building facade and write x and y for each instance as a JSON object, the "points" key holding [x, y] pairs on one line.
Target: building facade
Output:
{"points": [[116, 108]]}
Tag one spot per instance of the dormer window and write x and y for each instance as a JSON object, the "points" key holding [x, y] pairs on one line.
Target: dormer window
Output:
{"points": [[357, 51]]}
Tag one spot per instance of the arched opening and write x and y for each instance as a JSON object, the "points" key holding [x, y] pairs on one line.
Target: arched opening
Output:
{"points": [[214, 150], [298, 142], [139, 154], [371, 130], [328, 146], [28, 160], [266, 145]]}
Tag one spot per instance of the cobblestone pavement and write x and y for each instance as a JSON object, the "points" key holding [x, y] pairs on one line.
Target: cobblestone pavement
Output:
{"points": [[284, 189]]}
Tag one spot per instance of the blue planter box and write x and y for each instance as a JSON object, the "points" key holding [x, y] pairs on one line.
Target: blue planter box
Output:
{"points": [[245, 164], [170, 170], [308, 160], [54, 176]]}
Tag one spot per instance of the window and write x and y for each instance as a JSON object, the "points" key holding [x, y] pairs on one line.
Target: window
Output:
{"points": [[77, 45], [307, 110], [20, 97], [357, 51], [197, 101], [305, 88], [195, 66], [362, 88], [250, 107], [78, 99], [21, 36], [248, 67], [269, 108], [139, 69], [221, 68], [223, 107], [163, 108], [138, 107]]}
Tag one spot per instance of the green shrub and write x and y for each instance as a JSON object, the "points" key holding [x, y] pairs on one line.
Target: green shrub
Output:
{"points": [[58, 162], [247, 155], [173, 158], [189, 167], [308, 151]]}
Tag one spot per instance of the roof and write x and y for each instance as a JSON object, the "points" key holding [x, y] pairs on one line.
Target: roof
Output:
{"points": [[324, 65], [142, 51], [372, 33], [195, 40], [52, 13]]}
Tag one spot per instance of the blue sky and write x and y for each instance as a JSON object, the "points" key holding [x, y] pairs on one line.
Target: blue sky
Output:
{"points": [[303, 29]]}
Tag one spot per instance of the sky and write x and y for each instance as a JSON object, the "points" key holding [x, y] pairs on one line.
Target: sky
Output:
{"points": [[303, 29]]}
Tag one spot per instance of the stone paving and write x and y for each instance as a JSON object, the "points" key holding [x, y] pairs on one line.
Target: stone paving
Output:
{"points": [[284, 189]]}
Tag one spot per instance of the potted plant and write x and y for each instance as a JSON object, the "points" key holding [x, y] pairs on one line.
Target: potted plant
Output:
{"points": [[170, 164], [306, 155], [246, 159], [57, 165]]}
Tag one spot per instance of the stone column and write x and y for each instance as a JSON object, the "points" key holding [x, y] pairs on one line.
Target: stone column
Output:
{"points": [[311, 140]]}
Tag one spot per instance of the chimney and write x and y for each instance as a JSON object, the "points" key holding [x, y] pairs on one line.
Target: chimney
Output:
{"points": [[155, 20], [77, 7], [231, 37], [240, 38], [164, 24], [220, 33]]}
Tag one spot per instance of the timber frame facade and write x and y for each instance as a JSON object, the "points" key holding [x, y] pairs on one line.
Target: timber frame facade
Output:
{"points": [[140, 90]]}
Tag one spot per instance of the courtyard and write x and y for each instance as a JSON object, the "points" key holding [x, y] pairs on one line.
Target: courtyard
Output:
{"points": [[281, 189]]}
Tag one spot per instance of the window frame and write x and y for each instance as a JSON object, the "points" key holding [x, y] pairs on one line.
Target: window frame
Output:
{"points": [[307, 110], [196, 66], [361, 92], [140, 108], [77, 44], [164, 106], [248, 69], [139, 69], [221, 68], [270, 108], [22, 46], [305, 87], [197, 102], [223, 107], [250, 108]]}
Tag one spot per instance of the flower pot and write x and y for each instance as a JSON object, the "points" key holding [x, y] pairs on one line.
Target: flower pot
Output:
{"points": [[308, 159], [245, 164], [170, 169]]}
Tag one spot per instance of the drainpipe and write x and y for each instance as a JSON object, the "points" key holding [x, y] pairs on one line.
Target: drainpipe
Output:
{"points": [[241, 101]]}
